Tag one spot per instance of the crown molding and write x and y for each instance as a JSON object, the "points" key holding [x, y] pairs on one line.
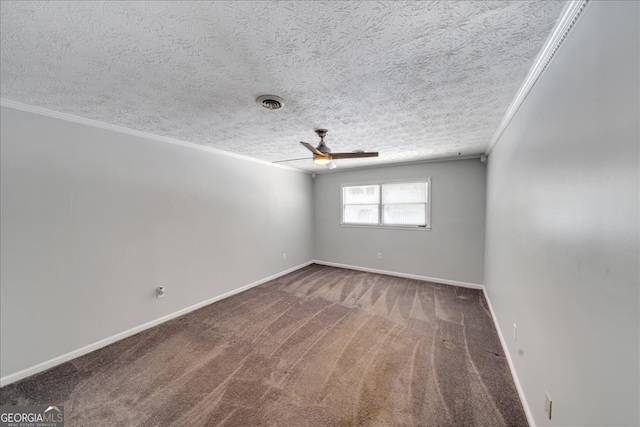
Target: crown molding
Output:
{"points": [[394, 164], [565, 24], [7, 103]]}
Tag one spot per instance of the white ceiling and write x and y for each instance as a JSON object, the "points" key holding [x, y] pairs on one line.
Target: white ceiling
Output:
{"points": [[412, 80]]}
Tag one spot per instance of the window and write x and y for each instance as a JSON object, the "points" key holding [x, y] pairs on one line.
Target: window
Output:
{"points": [[387, 204]]}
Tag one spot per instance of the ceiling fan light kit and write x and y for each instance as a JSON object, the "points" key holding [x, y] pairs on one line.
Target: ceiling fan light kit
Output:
{"points": [[321, 160]]}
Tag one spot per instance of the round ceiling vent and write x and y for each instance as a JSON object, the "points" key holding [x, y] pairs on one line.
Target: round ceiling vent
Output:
{"points": [[270, 102]]}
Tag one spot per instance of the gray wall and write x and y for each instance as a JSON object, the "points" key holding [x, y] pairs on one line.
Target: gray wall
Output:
{"points": [[453, 250], [562, 244], [93, 220]]}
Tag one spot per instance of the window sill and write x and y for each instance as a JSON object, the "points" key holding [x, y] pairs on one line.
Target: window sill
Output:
{"points": [[387, 227]]}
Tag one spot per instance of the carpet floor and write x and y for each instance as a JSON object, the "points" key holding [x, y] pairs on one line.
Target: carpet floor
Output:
{"points": [[320, 346]]}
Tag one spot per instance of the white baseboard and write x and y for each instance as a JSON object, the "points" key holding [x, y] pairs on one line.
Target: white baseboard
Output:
{"points": [[398, 274], [105, 342], [11, 378], [527, 410]]}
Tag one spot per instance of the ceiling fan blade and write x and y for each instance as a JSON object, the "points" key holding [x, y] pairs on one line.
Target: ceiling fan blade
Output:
{"points": [[331, 165], [336, 156], [311, 148], [290, 160]]}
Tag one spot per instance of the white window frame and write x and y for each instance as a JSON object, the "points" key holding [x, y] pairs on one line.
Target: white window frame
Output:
{"points": [[380, 224]]}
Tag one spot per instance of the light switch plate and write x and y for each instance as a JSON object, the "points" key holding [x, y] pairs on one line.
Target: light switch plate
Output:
{"points": [[547, 404]]}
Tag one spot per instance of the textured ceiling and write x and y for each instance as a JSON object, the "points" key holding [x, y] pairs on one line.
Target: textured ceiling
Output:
{"points": [[412, 80]]}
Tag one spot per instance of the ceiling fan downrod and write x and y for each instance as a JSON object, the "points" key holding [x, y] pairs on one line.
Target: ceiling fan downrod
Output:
{"points": [[322, 147]]}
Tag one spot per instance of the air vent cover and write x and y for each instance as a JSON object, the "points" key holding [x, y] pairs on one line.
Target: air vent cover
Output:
{"points": [[270, 102]]}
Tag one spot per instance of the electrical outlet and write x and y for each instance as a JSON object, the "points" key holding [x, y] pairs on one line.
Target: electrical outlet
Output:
{"points": [[515, 332], [284, 256], [379, 255], [547, 404], [160, 292]]}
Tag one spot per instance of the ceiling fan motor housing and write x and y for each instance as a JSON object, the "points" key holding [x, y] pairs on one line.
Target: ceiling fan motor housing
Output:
{"points": [[322, 147]]}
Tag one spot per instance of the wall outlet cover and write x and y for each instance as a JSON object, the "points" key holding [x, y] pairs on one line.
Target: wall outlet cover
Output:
{"points": [[547, 404]]}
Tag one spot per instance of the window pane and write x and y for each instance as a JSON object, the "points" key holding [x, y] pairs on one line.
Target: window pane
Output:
{"points": [[361, 214], [365, 194], [413, 214], [404, 192]]}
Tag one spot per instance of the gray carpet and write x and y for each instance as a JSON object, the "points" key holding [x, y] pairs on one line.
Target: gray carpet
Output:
{"points": [[321, 346]]}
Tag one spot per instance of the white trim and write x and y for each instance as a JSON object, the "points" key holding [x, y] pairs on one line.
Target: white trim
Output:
{"points": [[120, 129], [570, 15], [11, 378], [525, 405], [380, 184], [388, 227], [512, 368], [398, 274], [400, 163], [103, 343]]}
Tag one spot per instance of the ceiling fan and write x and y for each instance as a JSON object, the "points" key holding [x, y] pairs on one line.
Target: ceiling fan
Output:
{"points": [[322, 154]]}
